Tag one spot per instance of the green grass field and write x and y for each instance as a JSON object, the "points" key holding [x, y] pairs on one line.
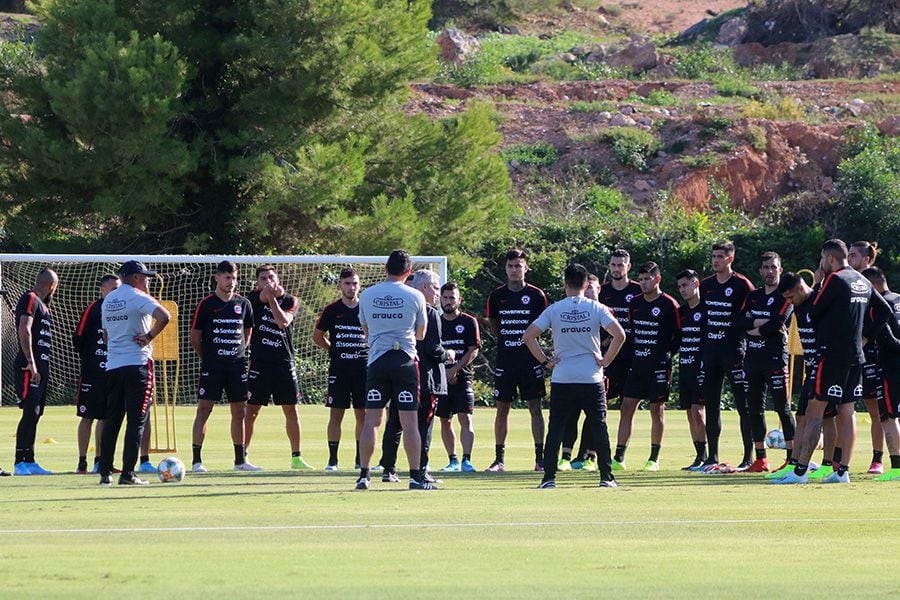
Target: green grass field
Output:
{"points": [[483, 535]]}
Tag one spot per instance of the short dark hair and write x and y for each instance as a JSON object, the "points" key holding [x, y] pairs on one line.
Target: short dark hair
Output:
{"points": [[835, 248], [108, 277], [575, 276], [264, 268], [450, 285], [726, 246], [592, 278], [875, 275], [869, 248], [687, 274], [788, 281], [347, 272], [650, 267], [226, 266], [513, 254], [399, 263], [620, 253], [767, 256]]}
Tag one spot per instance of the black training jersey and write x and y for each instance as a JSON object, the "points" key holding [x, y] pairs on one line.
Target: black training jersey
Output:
{"points": [[723, 310], [691, 343], [348, 342], [513, 312], [889, 340], [30, 305], [459, 335], [269, 342], [88, 339], [618, 302], [222, 323], [807, 331], [656, 327], [770, 346], [838, 312]]}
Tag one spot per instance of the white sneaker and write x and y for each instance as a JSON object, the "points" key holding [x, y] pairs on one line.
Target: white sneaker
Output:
{"points": [[835, 478], [198, 468], [331, 467], [245, 466], [792, 478], [813, 466]]}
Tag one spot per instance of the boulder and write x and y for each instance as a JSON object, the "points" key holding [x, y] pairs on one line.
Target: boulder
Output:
{"points": [[732, 32], [620, 120], [455, 45], [638, 56]]}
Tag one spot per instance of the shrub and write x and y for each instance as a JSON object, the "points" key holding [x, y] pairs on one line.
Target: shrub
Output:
{"points": [[661, 98], [757, 137], [729, 86], [787, 109], [707, 159], [632, 147], [538, 154], [581, 106], [702, 61], [714, 126]]}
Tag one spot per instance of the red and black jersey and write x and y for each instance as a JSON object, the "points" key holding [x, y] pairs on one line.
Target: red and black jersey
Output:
{"points": [[460, 334], [88, 339], [807, 331], [691, 342], [30, 305], [618, 301], [838, 313], [513, 312], [349, 351], [270, 343], [889, 340], [723, 301], [656, 329], [222, 323], [769, 348]]}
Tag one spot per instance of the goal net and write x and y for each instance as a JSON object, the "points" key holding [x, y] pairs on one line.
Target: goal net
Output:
{"points": [[182, 281]]}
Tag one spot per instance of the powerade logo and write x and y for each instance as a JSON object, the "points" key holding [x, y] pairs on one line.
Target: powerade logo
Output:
{"points": [[574, 316], [388, 302]]}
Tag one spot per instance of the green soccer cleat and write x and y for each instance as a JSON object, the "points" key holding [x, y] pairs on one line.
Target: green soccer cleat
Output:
{"points": [[564, 465], [889, 475], [298, 463], [780, 473], [822, 472], [651, 466], [618, 466]]}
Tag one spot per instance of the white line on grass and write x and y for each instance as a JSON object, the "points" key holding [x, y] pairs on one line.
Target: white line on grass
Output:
{"points": [[672, 522]]}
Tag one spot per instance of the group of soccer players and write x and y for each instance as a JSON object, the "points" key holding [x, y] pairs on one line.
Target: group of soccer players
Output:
{"points": [[393, 353]]}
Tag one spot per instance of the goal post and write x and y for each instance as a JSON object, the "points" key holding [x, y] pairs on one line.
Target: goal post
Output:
{"points": [[183, 280]]}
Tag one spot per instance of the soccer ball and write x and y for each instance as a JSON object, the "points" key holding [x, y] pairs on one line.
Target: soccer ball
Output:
{"points": [[775, 439], [171, 470]]}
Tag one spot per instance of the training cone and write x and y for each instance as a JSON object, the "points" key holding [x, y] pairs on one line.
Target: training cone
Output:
{"points": [[49, 441]]}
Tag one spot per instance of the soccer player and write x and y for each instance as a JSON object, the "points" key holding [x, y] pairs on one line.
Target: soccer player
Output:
{"points": [[510, 309], [460, 333], [723, 295], [889, 361], [131, 319], [393, 316], [339, 333], [220, 333], [838, 313], [90, 399], [272, 373], [576, 383], [655, 321], [861, 255], [690, 373], [32, 366], [766, 313]]}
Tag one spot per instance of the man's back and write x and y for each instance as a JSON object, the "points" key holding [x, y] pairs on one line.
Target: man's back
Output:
{"points": [[576, 323], [838, 312], [126, 314], [391, 311]]}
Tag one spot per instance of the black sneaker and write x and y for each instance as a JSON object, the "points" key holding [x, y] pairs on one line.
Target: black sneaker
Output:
{"points": [[362, 483], [131, 479], [390, 477], [105, 480], [550, 484], [82, 467], [421, 485], [4, 473]]}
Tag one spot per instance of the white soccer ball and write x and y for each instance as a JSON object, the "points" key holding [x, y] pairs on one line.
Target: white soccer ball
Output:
{"points": [[775, 439], [171, 470]]}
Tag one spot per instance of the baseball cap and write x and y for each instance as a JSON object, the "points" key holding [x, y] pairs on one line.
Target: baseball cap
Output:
{"points": [[135, 267]]}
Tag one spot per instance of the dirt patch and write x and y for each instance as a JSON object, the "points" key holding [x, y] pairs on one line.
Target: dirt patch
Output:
{"points": [[666, 16]]}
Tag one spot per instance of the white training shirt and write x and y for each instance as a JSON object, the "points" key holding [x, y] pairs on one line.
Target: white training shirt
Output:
{"points": [[127, 313], [391, 310]]}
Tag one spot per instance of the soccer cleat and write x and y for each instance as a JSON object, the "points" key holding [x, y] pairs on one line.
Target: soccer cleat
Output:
{"points": [[792, 478], [429, 478], [362, 483], [452, 467], [781, 472], [651, 466], [198, 468], [37, 469], [890, 475], [694, 466], [147, 467], [550, 484], [589, 464], [421, 485], [376, 469], [783, 465], [608, 483], [813, 466], [539, 467], [719, 469], [81, 470], [496, 467], [96, 468], [467, 467], [822, 472], [125, 479], [298, 463], [564, 465], [578, 464], [876, 468], [5, 473], [744, 466], [618, 466], [390, 477], [245, 466], [835, 478], [760, 465], [332, 467], [20, 469], [105, 480]]}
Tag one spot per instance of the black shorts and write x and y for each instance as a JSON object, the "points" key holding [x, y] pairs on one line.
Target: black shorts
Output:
{"points": [[690, 387], [808, 392], [617, 373], [528, 379], [838, 383], [872, 381], [394, 376], [889, 404], [459, 399], [90, 398], [649, 383], [346, 390], [272, 380], [229, 377], [30, 395]]}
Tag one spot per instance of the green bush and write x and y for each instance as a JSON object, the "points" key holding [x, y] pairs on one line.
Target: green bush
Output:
{"points": [[661, 98], [729, 86], [582, 106], [702, 61], [632, 147], [786, 109], [714, 127], [707, 159], [757, 137], [538, 154]]}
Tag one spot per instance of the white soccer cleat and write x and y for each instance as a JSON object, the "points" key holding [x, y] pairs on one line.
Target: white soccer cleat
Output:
{"points": [[245, 466], [835, 478], [198, 468], [790, 478]]}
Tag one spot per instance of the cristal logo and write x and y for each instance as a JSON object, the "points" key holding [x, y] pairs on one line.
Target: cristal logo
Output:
{"points": [[460, 329], [770, 301], [728, 292], [655, 311], [114, 305], [697, 316], [575, 316], [859, 287], [526, 299], [388, 302]]}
